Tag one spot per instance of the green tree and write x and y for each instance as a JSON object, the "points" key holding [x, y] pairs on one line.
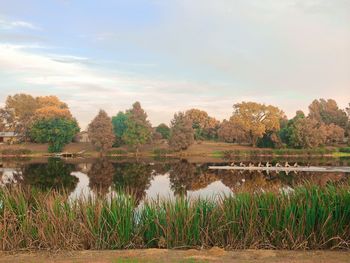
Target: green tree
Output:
{"points": [[119, 127], [287, 130], [101, 132], [181, 132], [164, 130], [55, 131], [138, 129]]}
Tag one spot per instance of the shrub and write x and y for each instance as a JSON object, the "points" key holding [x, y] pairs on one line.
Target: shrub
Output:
{"points": [[344, 149]]}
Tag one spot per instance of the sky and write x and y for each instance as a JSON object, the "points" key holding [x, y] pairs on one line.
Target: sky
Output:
{"points": [[173, 55]]}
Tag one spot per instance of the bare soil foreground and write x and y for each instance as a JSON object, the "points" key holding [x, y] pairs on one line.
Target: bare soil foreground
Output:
{"points": [[184, 256]]}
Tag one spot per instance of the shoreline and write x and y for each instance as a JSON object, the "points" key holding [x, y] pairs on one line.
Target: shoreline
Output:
{"points": [[207, 149], [170, 255]]}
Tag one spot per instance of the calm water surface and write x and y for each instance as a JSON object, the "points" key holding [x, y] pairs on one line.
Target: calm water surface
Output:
{"points": [[159, 179]]}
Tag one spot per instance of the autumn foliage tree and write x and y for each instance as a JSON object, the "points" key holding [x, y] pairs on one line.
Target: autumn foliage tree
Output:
{"points": [[138, 128], [307, 133], [205, 127], [181, 132], [232, 132], [328, 112], [101, 132], [21, 111], [256, 119]]}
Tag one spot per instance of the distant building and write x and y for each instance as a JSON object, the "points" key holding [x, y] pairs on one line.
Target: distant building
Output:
{"points": [[8, 137], [82, 137]]}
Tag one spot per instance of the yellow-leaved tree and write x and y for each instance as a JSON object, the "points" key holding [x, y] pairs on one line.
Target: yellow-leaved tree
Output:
{"points": [[256, 119]]}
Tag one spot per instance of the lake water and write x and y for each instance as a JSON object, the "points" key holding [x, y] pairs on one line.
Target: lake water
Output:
{"points": [[161, 178]]}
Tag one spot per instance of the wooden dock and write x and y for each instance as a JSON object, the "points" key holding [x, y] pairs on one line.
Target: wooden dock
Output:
{"points": [[329, 169]]}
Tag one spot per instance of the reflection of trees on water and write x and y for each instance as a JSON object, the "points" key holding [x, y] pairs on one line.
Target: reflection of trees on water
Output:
{"points": [[101, 175], [252, 181], [181, 174], [249, 181], [55, 174], [320, 178], [133, 177], [185, 176]]}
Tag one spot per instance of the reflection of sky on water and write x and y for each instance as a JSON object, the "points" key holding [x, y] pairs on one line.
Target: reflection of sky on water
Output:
{"points": [[160, 188], [214, 190], [82, 189], [8, 176]]}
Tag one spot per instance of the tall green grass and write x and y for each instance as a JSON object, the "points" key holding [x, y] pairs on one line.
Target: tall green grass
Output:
{"points": [[309, 218]]}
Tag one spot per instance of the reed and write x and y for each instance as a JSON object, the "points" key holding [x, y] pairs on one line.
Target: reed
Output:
{"points": [[309, 218]]}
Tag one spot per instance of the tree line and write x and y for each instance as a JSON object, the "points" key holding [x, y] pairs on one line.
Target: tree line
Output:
{"points": [[46, 119]]}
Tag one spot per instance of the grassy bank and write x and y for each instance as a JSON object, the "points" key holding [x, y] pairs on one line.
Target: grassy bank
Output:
{"points": [[203, 149], [309, 218]]}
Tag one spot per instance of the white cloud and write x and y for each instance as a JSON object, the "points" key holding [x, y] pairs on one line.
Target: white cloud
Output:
{"points": [[7, 25], [87, 89]]}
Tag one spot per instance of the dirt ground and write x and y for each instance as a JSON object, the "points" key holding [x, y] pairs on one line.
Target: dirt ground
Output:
{"points": [[183, 256]]}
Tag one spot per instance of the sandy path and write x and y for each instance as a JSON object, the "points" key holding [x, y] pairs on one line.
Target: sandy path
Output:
{"points": [[184, 256]]}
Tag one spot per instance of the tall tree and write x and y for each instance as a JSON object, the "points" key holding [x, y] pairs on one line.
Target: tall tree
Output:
{"points": [[286, 132], [205, 127], [334, 134], [119, 127], [328, 112], [307, 133], [50, 101], [138, 128], [164, 130], [232, 132], [100, 131], [20, 108], [55, 131], [256, 119], [50, 112], [181, 132]]}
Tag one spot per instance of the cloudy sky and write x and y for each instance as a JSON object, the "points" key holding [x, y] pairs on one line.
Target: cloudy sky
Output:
{"points": [[173, 55]]}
